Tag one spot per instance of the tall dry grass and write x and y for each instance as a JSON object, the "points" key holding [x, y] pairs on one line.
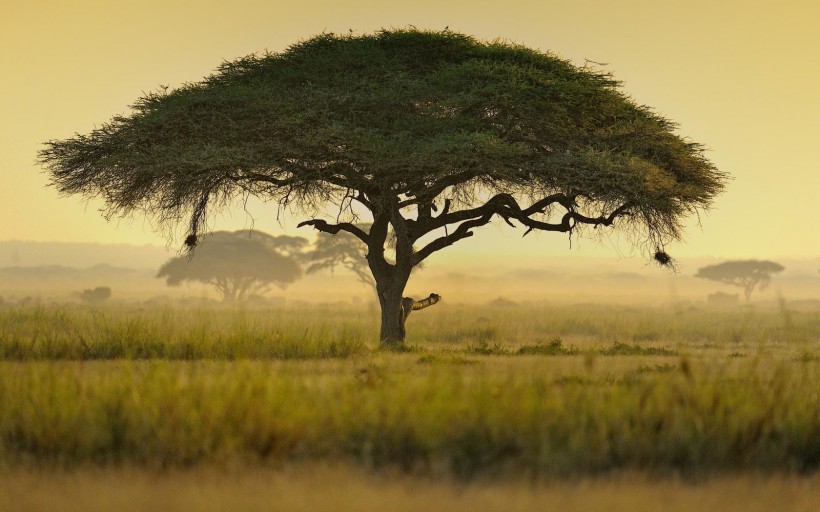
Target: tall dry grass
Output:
{"points": [[481, 392]]}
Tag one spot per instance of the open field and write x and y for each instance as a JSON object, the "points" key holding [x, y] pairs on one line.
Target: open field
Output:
{"points": [[323, 489], [484, 397]]}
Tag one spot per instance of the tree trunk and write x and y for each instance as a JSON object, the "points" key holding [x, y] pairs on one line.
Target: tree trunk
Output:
{"points": [[390, 278], [392, 327], [392, 330]]}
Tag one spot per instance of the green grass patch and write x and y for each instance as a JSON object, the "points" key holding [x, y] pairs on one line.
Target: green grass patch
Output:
{"points": [[78, 333], [554, 347], [658, 368], [484, 348], [623, 349], [808, 357], [471, 419], [446, 359]]}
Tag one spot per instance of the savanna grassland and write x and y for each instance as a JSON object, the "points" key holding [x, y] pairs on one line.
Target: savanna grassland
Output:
{"points": [[502, 407]]}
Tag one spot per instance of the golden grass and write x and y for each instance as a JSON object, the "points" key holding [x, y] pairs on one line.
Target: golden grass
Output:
{"points": [[481, 393], [319, 488]]}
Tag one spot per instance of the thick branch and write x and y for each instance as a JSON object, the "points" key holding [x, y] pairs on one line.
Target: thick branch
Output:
{"points": [[506, 207], [502, 204], [404, 245], [573, 218], [462, 231], [322, 225], [296, 175], [375, 245]]}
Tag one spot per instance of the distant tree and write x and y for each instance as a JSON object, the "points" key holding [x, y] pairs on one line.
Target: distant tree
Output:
{"points": [[340, 250], [346, 251], [238, 264], [427, 135], [746, 274], [97, 295], [286, 245]]}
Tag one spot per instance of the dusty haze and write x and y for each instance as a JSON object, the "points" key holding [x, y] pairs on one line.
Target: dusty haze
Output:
{"points": [[57, 271]]}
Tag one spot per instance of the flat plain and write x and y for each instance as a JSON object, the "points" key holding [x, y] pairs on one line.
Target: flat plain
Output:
{"points": [[591, 406]]}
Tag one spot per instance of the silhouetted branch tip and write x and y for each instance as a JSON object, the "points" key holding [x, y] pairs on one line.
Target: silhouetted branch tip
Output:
{"points": [[190, 241], [665, 260]]}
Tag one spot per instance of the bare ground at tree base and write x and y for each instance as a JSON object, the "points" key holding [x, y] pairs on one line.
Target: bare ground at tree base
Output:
{"points": [[318, 488]]}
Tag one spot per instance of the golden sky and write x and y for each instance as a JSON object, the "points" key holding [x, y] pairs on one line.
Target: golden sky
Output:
{"points": [[741, 77]]}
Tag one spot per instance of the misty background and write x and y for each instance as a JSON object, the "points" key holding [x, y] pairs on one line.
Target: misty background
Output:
{"points": [[57, 272]]}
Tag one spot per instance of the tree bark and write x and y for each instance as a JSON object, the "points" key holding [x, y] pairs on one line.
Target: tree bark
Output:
{"points": [[393, 331], [390, 290]]}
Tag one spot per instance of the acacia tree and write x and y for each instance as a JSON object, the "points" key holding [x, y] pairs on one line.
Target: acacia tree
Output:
{"points": [[291, 246], [746, 274], [428, 135], [236, 264]]}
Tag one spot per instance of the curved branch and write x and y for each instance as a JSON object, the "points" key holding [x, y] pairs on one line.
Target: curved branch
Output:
{"points": [[506, 207], [464, 230], [567, 223], [322, 225]]}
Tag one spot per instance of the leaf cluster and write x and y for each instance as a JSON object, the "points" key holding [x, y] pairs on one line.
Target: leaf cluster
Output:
{"points": [[403, 117]]}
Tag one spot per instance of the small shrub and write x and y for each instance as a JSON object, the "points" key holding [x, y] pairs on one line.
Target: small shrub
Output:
{"points": [[658, 368], [808, 357], [623, 349], [485, 349], [448, 359], [554, 348]]}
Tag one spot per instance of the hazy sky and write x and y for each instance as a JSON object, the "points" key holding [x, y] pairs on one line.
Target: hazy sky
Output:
{"points": [[741, 77]]}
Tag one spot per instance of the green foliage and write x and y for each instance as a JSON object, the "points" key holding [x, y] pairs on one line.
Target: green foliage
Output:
{"points": [[399, 111], [424, 130]]}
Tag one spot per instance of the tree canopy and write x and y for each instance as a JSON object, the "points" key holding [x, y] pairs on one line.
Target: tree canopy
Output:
{"points": [[426, 135], [746, 274], [237, 264]]}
